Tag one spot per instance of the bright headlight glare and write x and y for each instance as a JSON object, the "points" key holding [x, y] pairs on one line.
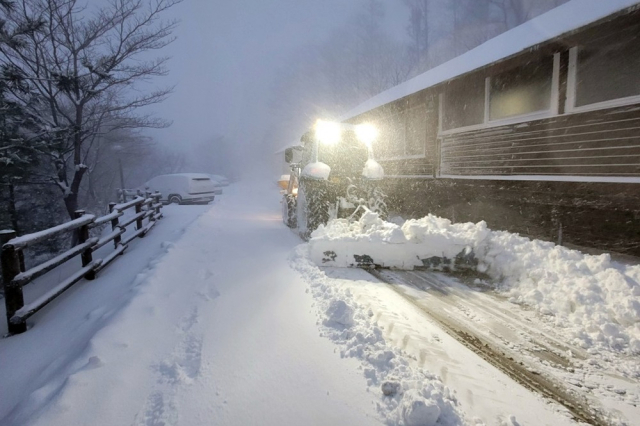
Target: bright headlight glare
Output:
{"points": [[327, 132], [366, 133]]}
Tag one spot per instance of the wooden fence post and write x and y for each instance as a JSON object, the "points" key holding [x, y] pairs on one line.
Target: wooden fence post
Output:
{"points": [[139, 220], [157, 197], [115, 224], [83, 236], [147, 196], [13, 297], [21, 259]]}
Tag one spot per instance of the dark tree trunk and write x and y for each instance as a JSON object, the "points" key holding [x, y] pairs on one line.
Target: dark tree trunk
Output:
{"points": [[13, 213]]}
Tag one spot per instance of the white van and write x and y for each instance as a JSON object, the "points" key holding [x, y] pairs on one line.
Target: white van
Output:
{"points": [[183, 188]]}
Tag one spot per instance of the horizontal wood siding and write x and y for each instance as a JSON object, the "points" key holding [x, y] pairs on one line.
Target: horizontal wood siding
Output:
{"points": [[600, 143], [408, 167]]}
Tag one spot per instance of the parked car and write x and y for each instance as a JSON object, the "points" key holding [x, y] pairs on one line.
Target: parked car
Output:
{"points": [[184, 188], [222, 181], [217, 183]]}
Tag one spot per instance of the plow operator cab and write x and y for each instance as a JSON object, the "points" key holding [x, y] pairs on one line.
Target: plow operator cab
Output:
{"points": [[333, 175]]}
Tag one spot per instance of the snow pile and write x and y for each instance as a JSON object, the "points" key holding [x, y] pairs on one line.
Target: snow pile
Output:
{"points": [[339, 314], [317, 170], [594, 299], [597, 300], [407, 396], [373, 170]]}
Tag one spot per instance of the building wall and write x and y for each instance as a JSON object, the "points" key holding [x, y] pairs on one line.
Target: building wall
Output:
{"points": [[566, 167]]}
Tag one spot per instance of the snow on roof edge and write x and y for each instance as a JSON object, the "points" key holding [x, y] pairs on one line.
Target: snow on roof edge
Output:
{"points": [[552, 24]]}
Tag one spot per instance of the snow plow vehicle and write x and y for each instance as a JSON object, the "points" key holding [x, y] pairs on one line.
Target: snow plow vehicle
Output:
{"points": [[333, 175]]}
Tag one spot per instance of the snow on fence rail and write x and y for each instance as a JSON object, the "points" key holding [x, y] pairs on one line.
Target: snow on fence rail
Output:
{"points": [[14, 275], [127, 194]]}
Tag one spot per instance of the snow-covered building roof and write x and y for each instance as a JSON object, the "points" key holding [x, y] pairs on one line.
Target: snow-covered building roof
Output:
{"points": [[555, 23]]}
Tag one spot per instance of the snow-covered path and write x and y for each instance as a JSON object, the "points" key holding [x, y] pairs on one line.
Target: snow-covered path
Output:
{"points": [[220, 331], [219, 316]]}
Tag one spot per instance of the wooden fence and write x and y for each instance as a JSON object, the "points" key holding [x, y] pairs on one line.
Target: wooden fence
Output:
{"points": [[124, 195], [15, 277]]}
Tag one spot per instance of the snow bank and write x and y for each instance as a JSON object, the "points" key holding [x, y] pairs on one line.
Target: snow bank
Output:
{"points": [[596, 301], [373, 170], [407, 396]]}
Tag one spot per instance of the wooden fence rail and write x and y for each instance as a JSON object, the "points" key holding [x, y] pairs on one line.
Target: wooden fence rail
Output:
{"points": [[15, 277], [124, 194]]}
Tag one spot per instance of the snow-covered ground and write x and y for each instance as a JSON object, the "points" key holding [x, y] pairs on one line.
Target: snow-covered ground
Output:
{"points": [[596, 300], [209, 327], [220, 316], [587, 307]]}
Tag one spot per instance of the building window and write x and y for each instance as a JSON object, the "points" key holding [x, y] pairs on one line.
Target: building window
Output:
{"points": [[522, 90], [416, 133], [607, 69], [512, 96], [402, 134], [392, 135], [463, 103]]}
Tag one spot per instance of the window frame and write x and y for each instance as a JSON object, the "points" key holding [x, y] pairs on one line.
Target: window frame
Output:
{"points": [[487, 123], [572, 77]]}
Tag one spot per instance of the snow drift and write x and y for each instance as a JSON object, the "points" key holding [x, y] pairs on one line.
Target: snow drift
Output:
{"points": [[595, 300], [408, 396]]}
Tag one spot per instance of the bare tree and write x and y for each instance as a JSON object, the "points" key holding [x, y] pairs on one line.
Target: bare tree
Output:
{"points": [[418, 29], [439, 30], [516, 12], [119, 150], [358, 61], [84, 64]]}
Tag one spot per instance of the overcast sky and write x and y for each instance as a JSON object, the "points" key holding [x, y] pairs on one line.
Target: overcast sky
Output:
{"points": [[226, 57]]}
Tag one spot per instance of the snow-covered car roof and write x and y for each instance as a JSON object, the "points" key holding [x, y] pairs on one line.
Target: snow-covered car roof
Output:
{"points": [[555, 23]]}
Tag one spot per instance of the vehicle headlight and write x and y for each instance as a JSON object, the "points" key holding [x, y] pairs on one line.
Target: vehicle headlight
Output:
{"points": [[327, 132], [366, 133]]}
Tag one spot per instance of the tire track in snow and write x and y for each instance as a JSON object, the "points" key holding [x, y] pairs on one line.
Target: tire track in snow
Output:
{"points": [[579, 407], [183, 366]]}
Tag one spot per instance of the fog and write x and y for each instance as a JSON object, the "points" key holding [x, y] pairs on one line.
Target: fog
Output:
{"points": [[225, 63], [249, 77]]}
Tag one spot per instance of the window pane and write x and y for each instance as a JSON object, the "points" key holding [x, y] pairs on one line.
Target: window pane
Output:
{"points": [[608, 70], [392, 133], [416, 130], [522, 90], [463, 103]]}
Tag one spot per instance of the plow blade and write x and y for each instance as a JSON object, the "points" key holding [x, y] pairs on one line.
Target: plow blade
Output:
{"points": [[363, 254]]}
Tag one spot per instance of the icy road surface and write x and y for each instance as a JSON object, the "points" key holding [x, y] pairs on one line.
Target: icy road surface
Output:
{"points": [[218, 317]]}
